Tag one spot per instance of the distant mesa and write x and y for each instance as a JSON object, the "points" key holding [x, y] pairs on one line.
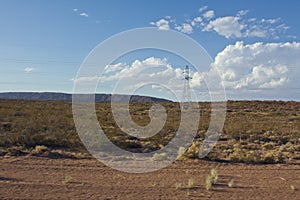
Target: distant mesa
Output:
{"points": [[42, 96]]}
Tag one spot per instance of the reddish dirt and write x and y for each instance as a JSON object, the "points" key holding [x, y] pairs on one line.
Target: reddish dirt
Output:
{"points": [[31, 177]]}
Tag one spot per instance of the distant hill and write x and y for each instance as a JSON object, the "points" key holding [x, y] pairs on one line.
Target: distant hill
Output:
{"points": [[68, 97]]}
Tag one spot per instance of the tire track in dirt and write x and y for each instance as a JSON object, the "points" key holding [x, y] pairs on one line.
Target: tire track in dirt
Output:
{"points": [[43, 178]]}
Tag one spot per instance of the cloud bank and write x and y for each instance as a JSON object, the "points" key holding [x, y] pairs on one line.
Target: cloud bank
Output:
{"points": [[230, 26], [243, 67], [258, 65], [257, 68]]}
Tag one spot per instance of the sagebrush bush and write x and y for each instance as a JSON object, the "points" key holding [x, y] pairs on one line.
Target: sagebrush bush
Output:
{"points": [[193, 150], [214, 174], [211, 179], [208, 182], [272, 157], [180, 152], [40, 148]]}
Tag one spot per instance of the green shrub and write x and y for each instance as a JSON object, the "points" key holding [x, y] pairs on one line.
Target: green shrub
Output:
{"points": [[211, 179]]}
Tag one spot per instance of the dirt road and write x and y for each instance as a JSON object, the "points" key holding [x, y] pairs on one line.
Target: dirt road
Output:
{"points": [[31, 177]]}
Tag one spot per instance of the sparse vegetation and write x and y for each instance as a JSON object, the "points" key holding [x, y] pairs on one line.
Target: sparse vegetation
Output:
{"points": [[68, 179], [193, 150], [208, 182], [190, 183], [214, 174], [178, 186], [40, 148], [159, 156], [254, 131], [180, 152], [231, 183], [292, 188], [211, 179], [188, 193]]}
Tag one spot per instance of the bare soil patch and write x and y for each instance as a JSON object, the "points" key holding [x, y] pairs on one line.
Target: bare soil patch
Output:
{"points": [[29, 177]]}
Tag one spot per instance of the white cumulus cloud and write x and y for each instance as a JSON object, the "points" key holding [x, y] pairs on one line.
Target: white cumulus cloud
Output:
{"points": [[240, 27], [197, 19], [150, 70], [242, 13], [185, 28], [162, 24], [201, 9], [258, 65], [247, 71], [226, 26], [209, 14], [122, 70], [86, 79], [230, 26], [28, 69], [84, 14], [270, 21], [113, 68]]}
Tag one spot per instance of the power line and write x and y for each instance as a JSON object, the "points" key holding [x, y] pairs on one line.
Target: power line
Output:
{"points": [[38, 61]]}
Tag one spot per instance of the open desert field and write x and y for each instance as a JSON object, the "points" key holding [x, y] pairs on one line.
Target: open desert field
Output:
{"points": [[154, 100], [43, 178], [257, 156]]}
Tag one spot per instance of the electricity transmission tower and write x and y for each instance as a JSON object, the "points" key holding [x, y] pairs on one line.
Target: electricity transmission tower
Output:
{"points": [[186, 96]]}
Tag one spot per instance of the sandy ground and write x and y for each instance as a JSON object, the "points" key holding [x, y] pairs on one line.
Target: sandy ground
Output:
{"points": [[31, 177]]}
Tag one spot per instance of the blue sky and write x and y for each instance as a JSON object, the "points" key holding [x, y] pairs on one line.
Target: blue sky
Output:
{"points": [[43, 43]]}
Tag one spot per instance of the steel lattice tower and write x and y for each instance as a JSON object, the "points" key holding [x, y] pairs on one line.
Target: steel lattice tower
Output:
{"points": [[186, 96]]}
